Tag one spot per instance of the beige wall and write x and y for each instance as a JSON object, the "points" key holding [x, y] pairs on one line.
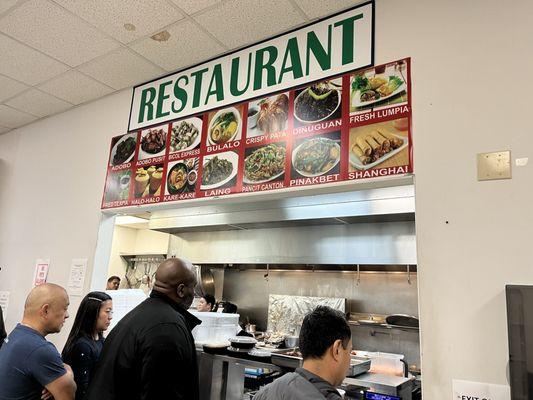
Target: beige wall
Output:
{"points": [[471, 93], [134, 241]]}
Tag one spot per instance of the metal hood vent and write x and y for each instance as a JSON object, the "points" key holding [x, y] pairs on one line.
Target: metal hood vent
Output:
{"points": [[391, 204]]}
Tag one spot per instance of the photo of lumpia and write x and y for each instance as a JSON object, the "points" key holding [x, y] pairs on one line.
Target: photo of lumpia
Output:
{"points": [[371, 145]]}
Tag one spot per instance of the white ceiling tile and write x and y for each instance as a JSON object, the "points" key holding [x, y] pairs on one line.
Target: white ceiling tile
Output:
{"points": [[10, 87], [121, 69], [6, 5], [110, 16], [75, 87], [14, 118], [320, 8], [48, 27], [25, 64], [187, 45], [4, 129], [192, 6], [38, 103], [239, 22]]}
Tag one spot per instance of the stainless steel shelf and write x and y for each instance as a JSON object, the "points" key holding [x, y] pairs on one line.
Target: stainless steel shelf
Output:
{"points": [[384, 326]]}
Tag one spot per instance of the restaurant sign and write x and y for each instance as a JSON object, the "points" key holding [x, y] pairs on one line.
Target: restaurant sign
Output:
{"points": [[332, 46]]}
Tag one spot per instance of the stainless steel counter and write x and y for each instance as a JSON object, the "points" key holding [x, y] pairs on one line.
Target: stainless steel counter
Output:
{"points": [[222, 376]]}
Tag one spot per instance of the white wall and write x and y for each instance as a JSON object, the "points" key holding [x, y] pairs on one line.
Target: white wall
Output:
{"points": [[471, 93]]}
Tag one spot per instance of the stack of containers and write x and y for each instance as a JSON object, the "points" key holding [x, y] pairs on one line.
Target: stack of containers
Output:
{"points": [[215, 327]]}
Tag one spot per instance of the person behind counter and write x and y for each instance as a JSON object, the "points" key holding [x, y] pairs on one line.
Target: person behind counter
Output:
{"points": [[206, 303], [325, 344], [85, 341], [28, 362], [113, 283], [150, 353]]}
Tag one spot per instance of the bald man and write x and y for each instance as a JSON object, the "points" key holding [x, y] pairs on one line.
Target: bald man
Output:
{"points": [[28, 362], [150, 353]]}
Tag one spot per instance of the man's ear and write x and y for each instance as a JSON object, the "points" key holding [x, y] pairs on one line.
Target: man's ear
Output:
{"points": [[336, 349], [180, 290], [45, 309]]}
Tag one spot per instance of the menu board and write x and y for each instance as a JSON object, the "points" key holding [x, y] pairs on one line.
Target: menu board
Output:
{"points": [[350, 127]]}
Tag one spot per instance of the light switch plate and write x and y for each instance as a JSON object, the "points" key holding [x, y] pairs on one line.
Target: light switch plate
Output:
{"points": [[496, 165]]}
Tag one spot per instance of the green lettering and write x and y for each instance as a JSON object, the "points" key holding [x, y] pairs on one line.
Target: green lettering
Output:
{"points": [[322, 56], [261, 65], [198, 76], [234, 78], [218, 90], [147, 97], [180, 94], [348, 36], [291, 53], [161, 98]]}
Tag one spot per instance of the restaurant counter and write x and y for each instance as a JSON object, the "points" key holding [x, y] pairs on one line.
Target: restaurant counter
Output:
{"points": [[232, 377]]}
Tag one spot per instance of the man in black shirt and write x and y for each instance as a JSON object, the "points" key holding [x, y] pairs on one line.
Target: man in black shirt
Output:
{"points": [[150, 354]]}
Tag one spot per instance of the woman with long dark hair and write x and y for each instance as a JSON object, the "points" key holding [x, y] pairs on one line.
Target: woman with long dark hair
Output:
{"points": [[85, 341]]}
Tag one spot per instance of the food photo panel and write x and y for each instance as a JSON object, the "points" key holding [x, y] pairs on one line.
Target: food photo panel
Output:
{"points": [[381, 145], [264, 164], [185, 135], [314, 157], [123, 149], [318, 102], [219, 172], [117, 186], [153, 142], [378, 87], [224, 128], [268, 115], [182, 176], [147, 181]]}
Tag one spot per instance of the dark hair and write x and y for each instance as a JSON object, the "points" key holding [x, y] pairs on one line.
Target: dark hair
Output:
{"points": [[112, 278], [85, 321], [209, 299], [320, 329]]}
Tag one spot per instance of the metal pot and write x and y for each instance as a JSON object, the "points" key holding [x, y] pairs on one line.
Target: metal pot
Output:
{"points": [[292, 341]]}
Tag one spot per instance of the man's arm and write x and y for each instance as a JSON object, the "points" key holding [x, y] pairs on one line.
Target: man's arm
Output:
{"points": [[64, 387]]}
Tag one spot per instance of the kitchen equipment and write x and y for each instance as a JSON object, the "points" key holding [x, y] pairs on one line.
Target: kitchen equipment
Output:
{"points": [[215, 348], [215, 327], [358, 366], [243, 343], [205, 281], [291, 341], [289, 358], [403, 320]]}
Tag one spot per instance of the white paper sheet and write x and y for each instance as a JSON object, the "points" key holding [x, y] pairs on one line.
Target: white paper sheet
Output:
{"points": [[76, 279], [4, 302]]}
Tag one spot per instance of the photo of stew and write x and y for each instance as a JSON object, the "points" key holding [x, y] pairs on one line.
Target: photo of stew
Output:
{"points": [[225, 126], [318, 102], [219, 170], [316, 156], [182, 176], [123, 150]]}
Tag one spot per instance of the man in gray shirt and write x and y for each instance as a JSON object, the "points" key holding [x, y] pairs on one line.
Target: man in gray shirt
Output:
{"points": [[325, 344]]}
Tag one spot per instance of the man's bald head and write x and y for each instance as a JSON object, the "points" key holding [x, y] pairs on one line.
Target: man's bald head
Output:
{"points": [[175, 278], [46, 307]]}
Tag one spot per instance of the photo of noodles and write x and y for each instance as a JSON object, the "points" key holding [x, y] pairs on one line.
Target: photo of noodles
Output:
{"points": [[264, 164], [373, 144]]}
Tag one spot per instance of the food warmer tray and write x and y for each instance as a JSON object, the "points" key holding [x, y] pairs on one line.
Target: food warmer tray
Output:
{"points": [[358, 365]]}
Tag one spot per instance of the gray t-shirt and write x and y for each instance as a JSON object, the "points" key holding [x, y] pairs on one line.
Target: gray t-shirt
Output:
{"points": [[298, 385]]}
